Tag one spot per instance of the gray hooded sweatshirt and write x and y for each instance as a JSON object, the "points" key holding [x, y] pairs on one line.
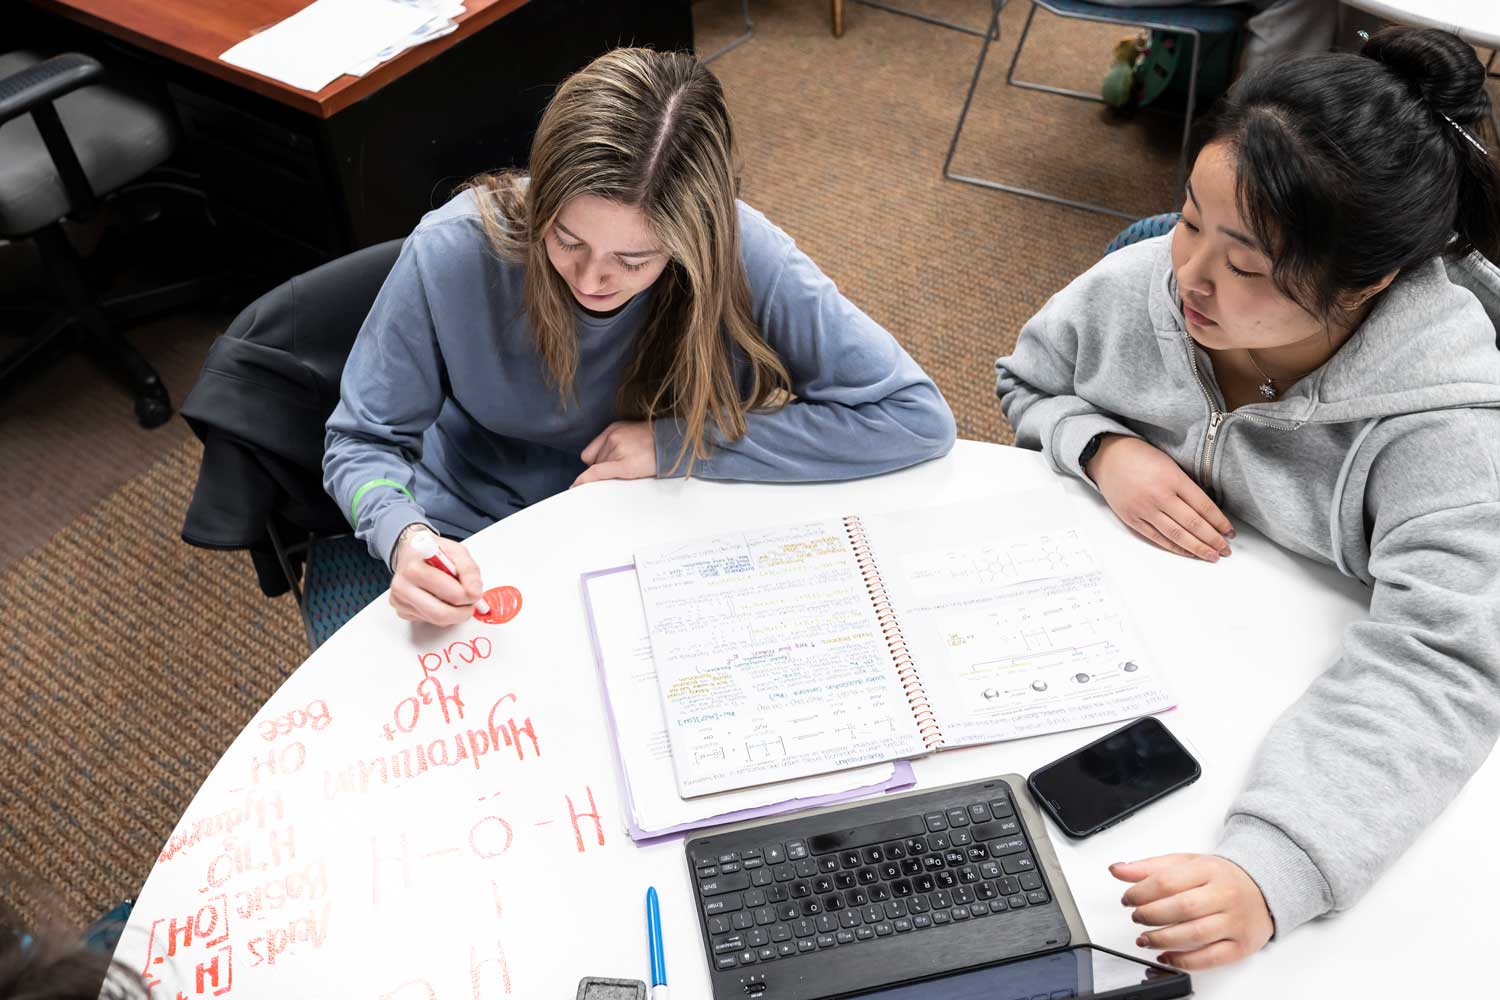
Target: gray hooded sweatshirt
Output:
{"points": [[1384, 462]]}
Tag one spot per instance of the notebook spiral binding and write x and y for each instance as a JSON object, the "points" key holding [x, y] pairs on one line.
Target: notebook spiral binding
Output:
{"points": [[890, 630]]}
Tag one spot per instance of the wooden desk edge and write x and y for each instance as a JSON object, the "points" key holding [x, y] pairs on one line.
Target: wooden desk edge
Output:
{"points": [[335, 97]]}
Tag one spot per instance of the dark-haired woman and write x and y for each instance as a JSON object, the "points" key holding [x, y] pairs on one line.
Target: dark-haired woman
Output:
{"points": [[1312, 351]]}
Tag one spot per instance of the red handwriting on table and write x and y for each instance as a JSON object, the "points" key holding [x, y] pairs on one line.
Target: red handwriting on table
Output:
{"points": [[306, 885], [278, 763], [482, 970], [240, 856], [173, 940], [315, 716], [455, 654], [310, 929], [489, 837], [408, 711], [476, 746], [504, 604], [256, 809]]}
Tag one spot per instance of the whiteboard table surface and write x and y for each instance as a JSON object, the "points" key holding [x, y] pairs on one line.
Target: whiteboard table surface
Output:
{"points": [[292, 875], [1475, 21]]}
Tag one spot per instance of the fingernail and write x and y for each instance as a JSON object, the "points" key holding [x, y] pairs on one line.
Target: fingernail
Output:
{"points": [[1141, 942], [1231, 533], [1124, 901]]}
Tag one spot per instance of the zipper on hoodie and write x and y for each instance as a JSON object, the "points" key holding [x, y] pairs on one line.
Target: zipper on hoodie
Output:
{"points": [[1217, 418]]}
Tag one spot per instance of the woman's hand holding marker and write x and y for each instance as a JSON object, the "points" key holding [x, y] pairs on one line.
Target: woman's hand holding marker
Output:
{"points": [[626, 449], [436, 581]]}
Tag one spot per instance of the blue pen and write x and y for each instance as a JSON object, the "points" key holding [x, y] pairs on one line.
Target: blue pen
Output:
{"points": [[653, 941]]}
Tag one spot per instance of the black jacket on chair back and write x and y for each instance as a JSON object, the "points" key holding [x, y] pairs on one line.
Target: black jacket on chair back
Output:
{"points": [[266, 390]]}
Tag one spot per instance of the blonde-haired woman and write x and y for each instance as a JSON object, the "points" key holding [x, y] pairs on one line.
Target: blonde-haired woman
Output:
{"points": [[616, 314]]}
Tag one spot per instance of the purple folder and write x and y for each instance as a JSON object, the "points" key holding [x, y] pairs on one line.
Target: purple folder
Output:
{"points": [[901, 776]]}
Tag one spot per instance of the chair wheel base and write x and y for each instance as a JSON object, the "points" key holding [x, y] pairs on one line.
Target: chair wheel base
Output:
{"points": [[153, 407]]}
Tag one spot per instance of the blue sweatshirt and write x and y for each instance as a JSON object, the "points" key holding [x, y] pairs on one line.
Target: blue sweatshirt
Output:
{"points": [[447, 415]]}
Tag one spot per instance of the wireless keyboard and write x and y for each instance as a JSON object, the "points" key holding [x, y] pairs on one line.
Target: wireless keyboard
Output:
{"points": [[845, 900]]}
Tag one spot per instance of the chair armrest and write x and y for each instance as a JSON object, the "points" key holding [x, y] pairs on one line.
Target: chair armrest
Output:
{"points": [[45, 82]]}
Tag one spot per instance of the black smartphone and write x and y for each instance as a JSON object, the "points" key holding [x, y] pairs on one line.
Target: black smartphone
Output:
{"points": [[1099, 785], [1081, 971]]}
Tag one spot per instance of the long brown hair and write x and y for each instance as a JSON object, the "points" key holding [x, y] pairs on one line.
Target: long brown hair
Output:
{"points": [[649, 130]]}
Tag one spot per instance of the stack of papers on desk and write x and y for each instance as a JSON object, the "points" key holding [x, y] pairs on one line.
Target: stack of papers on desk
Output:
{"points": [[329, 38]]}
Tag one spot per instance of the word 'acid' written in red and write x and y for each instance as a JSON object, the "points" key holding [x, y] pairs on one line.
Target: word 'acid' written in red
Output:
{"points": [[455, 654], [493, 973], [315, 716], [490, 837], [310, 930], [173, 940]]}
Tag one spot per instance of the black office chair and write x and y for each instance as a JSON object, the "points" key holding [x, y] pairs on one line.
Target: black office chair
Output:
{"points": [[260, 405], [66, 142]]}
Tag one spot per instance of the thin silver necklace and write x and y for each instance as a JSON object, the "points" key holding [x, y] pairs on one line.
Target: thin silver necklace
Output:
{"points": [[1268, 387]]}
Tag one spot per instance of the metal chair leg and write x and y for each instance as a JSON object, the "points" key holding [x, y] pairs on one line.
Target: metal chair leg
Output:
{"points": [[1187, 115], [929, 19], [741, 40], [948, 173]]}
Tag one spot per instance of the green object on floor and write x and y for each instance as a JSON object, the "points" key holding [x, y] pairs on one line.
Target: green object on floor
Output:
{"points": [[1118, 89]]}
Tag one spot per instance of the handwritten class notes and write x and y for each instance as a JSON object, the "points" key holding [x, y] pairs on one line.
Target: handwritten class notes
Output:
{"points": [[393, 832]]}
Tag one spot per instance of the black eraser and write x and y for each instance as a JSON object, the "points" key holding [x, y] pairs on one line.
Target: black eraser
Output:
{"points": [[594, 988]]}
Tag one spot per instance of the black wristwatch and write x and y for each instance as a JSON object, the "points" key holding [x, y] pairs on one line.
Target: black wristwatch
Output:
{"points": [[1090, 449]]}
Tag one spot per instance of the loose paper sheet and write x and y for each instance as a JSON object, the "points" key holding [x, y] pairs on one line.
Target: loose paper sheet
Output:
{"points": [[313, 47]]}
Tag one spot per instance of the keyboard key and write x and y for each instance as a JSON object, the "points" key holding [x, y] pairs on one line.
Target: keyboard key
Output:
{"points": [[833, 902], [845, 937], [783, 873], [811, 907], [718, 925], [963, 895], [786, 949], [1015, 902], [958, 817], [932, 862], [873, 914], [723, 962], [873, 855], [849, 918], [1009, 886], [761, 877], [902, 924], [850, 859], [774, 854], [960, 913], [889, 870], [893, 851], [863, 836], [729, 856], [820, 885], [1009, 827], [826, 923], [806, 868], [827, 941], [979, 813], [997, 906], [777, 894], [879, 893], [746, 957], [986, 890], [946, 879], [828, 864], [968, 875], [843, 880], [884, 929], [867, 876], [990, 869], [941, 899], [781, 932], [960, 838], [921, 920], [755, 897], [766, 954], [901, 888], [1000, 808], [979, 910], [941, 917], [742, 921], [800, 889], [758, 937], [1031, 880], [787, 911], [977, 853], [796, 850], [708, 871], [917, 904], [730, 868], [1018, 863], [864, 933], [938, 842], [804, 928], [1011, 845], [806, 945], [911, 866], [722, 904], [724, 883], [1036, 897], [856, 897], [729, 943], [935, 821], [915, 846], [765, 915]]}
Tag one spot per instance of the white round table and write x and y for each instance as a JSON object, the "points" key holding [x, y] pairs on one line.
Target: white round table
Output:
{"points": [[1475, 21], [321, 859]]}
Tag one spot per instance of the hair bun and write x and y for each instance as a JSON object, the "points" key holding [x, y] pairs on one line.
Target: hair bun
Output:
{"points": [[1439, 65]]}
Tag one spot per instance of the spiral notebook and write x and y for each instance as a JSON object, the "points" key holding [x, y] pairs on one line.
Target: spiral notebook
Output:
{"points": [[813, 647]]}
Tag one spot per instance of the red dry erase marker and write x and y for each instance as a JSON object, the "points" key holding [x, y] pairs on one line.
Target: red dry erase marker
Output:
{"points": [[425, 542]]}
